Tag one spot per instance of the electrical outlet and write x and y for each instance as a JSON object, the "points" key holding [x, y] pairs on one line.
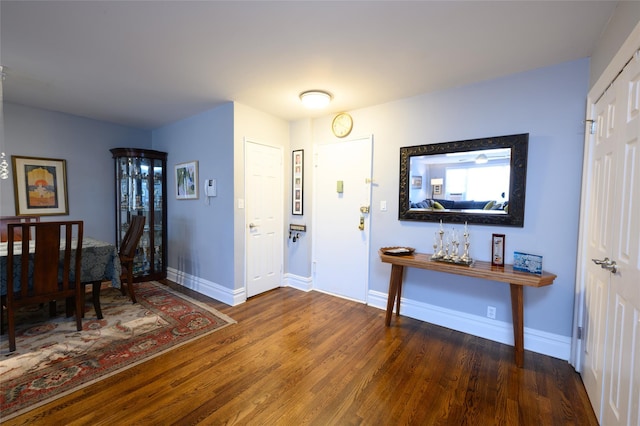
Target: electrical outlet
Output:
{"points": [[491, 312]]}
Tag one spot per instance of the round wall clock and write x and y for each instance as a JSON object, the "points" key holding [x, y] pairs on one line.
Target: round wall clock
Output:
{"points": [[342, 125]]}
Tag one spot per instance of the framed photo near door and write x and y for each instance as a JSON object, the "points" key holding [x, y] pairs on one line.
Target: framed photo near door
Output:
{"points": [[497, 250], [297, 184]]}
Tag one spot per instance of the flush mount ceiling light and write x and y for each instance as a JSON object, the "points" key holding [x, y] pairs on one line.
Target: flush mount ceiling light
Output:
{"points": [[481, 159], [315, 99]]}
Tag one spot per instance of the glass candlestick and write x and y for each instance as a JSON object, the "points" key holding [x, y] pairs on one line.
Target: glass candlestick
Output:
{"points": [[454, 250], [435, 246], [465, 255], [441, 252], [447, 243]]}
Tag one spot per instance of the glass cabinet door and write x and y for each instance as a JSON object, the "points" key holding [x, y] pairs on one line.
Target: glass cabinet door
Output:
{"points": [[157, 241], [141, 190]]}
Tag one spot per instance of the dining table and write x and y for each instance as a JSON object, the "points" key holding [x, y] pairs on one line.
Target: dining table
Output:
{"points": [[100, 262]]}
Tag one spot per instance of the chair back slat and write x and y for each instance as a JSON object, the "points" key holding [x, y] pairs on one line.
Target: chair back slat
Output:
{"points": [[45, 271], [127, 252], [132, 237]]}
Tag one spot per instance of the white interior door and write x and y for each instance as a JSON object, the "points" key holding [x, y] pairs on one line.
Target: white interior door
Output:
{"points": [[622, 372], [341, 230], [611, 359], [264, 220], [599, 245]]}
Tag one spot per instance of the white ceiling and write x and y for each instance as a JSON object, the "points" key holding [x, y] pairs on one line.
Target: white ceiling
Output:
{"points": [[149, 63]]}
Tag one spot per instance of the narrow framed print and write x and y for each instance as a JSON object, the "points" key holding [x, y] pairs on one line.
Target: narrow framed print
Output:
{"points": [[40, 186], [187, 180], [297, 184], [416, 182], [497, 249]]}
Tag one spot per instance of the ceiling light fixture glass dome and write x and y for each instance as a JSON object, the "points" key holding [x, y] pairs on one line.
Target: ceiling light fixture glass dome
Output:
{"points": [[482, 159], [315, 99]]}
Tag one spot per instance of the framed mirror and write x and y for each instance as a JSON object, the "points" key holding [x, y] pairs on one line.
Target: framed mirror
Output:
{"points": [[480, 181]]}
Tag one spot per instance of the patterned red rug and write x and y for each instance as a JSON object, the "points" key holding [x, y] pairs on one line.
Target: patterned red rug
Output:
{"points": [[54, 359]]}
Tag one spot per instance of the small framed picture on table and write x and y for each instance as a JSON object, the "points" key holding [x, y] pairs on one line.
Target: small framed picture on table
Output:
{"points": [[497, 250]]}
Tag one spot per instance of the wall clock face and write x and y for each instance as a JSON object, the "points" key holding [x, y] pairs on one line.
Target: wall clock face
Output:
{"points": [[342, 125]]}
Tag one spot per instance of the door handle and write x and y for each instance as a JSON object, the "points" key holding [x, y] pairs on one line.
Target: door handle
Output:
{"points": [[607, 264], [252, 225]]}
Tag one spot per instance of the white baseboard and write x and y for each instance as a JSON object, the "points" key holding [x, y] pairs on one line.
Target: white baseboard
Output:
{"points": [[498, 331], [208, 288], [538, 341], [297, 282]]}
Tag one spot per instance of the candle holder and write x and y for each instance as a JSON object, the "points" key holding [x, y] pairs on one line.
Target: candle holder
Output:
{"points": [[438, 244], [446, 246]]}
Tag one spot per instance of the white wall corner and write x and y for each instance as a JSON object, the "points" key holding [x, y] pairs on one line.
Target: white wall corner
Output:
{"points": [[208, 288], [297, 282], [537, 341]]}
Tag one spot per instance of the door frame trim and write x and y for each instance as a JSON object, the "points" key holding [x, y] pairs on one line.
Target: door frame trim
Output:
{"points": [[627, 50]]}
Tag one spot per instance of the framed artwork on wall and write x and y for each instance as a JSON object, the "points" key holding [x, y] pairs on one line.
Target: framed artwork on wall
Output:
{"points": [[40, 186], [297, 186], [187, 180], [416, 182]]}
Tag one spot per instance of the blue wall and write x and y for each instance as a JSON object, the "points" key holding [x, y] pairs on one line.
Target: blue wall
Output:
{"points": [[547, 103], [201, 235], [84, 144]]}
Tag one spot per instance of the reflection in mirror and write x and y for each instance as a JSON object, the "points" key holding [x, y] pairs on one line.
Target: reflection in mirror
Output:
{"points": [[474, 181], [471, 180]]}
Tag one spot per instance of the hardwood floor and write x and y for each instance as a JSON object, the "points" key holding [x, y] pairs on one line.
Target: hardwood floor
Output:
{"points": [[309, 358]]}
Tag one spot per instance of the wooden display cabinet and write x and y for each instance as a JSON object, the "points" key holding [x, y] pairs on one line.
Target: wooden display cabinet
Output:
{"points": [[141, 189]]}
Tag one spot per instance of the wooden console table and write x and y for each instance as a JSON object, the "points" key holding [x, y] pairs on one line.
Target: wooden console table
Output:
{"points": [[479, 269]]}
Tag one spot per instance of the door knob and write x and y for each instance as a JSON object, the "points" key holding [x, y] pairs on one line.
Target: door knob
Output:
{"points": [[252, 225], [607, 264]]}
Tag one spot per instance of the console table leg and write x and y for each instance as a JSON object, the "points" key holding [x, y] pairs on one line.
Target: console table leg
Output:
{"points": [[399, 294], [395, 288], [517, 312]]}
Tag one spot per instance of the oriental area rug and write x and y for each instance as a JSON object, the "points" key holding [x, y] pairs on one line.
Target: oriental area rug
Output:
{"points": [[53, 359]]}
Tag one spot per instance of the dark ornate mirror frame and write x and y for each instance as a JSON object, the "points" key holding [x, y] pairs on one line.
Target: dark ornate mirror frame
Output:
{"points": [[517, 188]]}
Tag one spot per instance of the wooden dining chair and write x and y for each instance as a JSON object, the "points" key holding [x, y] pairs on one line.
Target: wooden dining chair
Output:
{"points": [[5, 220], [51, 271], [127, 253]]}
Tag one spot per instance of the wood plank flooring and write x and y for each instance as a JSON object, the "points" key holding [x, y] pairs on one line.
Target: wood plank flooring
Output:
{"points": [[299, 358]]}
